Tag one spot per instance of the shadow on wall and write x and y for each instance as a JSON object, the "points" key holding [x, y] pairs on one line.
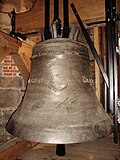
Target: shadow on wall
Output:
{"points": [[10, 97], [11, 92]]}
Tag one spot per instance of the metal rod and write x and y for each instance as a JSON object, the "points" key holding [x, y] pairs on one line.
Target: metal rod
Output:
{"points": [[76, 36], [47, 33], [109, 54], [56, 9], [13, 23], [110, 6], [66, 19], [114, 54], [13, 20], [72, 32], [105, 87], [93, 23], [47, 13], [56, 16], [60, 150], [115, 78], [54, 29], [91, 45]]}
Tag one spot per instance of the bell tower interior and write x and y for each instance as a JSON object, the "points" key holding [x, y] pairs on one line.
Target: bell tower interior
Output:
{"points": [[59, 79]]}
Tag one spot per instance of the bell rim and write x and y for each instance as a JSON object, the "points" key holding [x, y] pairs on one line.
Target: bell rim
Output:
{"points": [[59, 137]]}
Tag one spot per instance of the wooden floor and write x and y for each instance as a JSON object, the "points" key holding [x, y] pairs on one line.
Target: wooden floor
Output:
{"points": [[103, 149]]}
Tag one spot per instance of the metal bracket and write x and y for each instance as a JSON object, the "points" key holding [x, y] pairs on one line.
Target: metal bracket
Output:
{"points": [[118, 102], [13, 33], [118, 47]]}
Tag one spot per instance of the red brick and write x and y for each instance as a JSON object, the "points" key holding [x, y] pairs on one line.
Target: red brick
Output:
{"points": [[13, 64], [16, 71], [6, 64], [7, 74], [14, 74], [4, 67], [8, 61], [6, 70]]}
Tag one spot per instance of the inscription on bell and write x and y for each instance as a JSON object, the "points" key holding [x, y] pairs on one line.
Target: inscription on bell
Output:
{"points": [[87, 80], [56, 85]]}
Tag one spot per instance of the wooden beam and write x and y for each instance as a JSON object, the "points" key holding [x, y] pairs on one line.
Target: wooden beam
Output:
{"points": [[12, 149], [103, 49], [27, 61], [102, 149], [20, 51], [97, 71], [8, 45], [4, 52], [89, 10], [25, 51], [4, 146]]}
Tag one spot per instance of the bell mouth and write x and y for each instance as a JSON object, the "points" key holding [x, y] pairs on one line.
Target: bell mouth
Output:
{"points": [[78, 134]]}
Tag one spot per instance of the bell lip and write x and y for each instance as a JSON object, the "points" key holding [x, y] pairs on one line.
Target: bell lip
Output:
{"points": [[49, 140], [60, 142]]}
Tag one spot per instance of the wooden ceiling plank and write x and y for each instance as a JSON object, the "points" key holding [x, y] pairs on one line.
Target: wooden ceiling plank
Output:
{"points": [[33, 20]]}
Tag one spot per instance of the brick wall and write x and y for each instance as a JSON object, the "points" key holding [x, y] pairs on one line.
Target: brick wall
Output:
{"points": [[9, 68], [11, 93]]}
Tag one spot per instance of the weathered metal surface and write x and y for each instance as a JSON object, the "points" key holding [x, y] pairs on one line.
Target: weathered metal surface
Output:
{"points": [[60, 105]]}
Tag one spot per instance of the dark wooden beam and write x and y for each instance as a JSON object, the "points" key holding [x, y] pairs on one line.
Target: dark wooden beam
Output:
{"points": [[12, 149]]}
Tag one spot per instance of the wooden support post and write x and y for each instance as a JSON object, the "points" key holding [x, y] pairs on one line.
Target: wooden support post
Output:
{"points": [[97, 72], [104, 59]]}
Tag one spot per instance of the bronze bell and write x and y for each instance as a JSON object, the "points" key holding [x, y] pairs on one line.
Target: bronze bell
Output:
{"points": [[60, 105]]}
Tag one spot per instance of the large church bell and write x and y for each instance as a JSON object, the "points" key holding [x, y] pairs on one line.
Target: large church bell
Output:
{"points": [[60, 105]]}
